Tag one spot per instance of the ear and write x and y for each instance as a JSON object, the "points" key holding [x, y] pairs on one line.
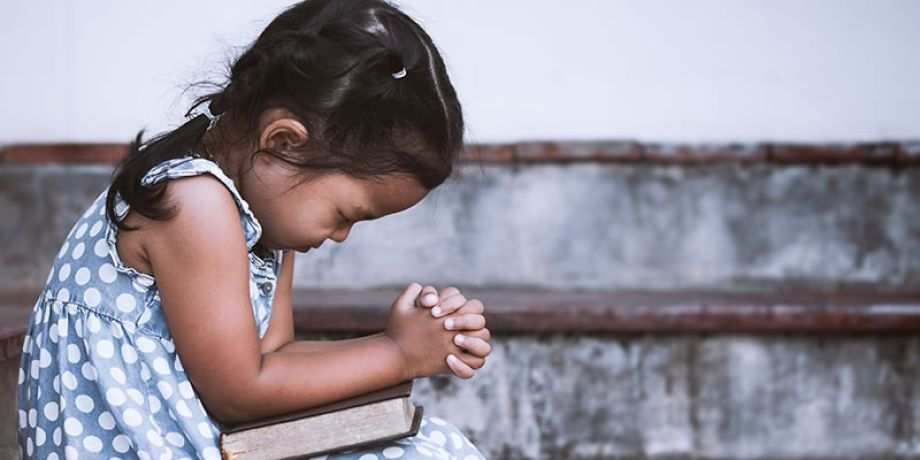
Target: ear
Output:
{"points": [[281, 130]]}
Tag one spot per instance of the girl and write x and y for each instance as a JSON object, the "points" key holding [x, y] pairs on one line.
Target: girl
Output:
{"points": [[169, 304]]}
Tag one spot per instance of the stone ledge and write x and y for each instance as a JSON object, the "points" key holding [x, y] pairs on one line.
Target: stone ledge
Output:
{"points": [[891, 153], [525, 310]]}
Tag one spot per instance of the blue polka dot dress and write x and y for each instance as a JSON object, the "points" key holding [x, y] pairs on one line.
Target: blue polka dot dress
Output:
{"points": [[99, 375]]}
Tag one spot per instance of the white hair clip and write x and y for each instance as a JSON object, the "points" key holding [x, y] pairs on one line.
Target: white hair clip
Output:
{"points": [[212, 119], [400, 74]]}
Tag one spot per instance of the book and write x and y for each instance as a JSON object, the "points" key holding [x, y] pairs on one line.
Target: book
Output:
{"points": [[351, 423]]}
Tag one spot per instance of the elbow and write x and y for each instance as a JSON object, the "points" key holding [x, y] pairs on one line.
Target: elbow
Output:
{"points": [[227, 411], [234, 402]]}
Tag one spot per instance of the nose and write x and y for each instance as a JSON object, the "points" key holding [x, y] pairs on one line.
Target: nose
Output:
{"points": [[340, 235]]}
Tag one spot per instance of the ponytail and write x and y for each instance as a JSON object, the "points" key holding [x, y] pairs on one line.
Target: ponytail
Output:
{"points": [[143, 155]]}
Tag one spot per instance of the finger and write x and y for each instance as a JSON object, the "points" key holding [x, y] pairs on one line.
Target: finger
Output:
{"points": [[459, 322], [449, 291], [473, 345], [484, 333], [448, 305], [428, 297], [473, 306], [458, 367], [473, 361], [404, 300]]}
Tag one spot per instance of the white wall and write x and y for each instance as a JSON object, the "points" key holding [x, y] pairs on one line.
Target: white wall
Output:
{"points": [[667, 70]]}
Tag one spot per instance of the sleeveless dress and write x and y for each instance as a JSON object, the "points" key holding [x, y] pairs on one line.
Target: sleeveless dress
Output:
{"points": [[99, 375]]}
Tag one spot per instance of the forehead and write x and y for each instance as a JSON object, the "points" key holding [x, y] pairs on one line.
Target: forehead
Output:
{"points": [[391, 193], [377, 196]]}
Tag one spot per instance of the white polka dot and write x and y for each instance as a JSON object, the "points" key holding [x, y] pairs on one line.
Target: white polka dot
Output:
{"points": [[92, 297], [128, 353], [211, 453], [205, 430], [423, 450], [368, 457], [33, 416], [183, 409], [44, 358], [33, 371], [56, 383], [63, 249], [95, 229], [457, 440], [69, 380], [106, 420], [161, 366], [155, 404], [117, 330], [52, 332], [437, 437], [121, 444], [125, 302], [107, 273], [105, 348], [71, 453], [178, 364], [145, 371], [393, 452], [78, 251], [56, 436], [115, 396], [84, 403], [73, 353], [101, 249], [135, 395], [63, 272], [94, 324], [50, 410], [73, 426], [133, 417], [89, 210], [29, 446], [154, 438], [175, 439], [82, 277], [169, 345], [146, 345], [185, 389], [92, 444], [118, 375], [81, 230], [88, 370]]}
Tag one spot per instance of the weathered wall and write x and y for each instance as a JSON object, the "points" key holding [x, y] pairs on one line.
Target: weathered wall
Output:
{"points": [[576, 226], [610, 226]]}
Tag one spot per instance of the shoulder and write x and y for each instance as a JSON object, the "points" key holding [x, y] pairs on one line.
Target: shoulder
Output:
{"points": [[204, 214]]}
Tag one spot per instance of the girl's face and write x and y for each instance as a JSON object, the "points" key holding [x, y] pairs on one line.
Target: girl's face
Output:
{"points": [[327, 207]]}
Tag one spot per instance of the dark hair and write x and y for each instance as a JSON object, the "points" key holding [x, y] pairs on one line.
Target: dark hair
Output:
{"points": [[331, 64]]}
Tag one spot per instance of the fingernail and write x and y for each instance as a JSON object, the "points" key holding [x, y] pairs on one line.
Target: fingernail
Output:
{"points": [[459, 339], [436, 311], [431, 298], [449, 323], [452, 359]]}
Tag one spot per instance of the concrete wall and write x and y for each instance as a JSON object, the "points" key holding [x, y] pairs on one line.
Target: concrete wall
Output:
{"points": [[583, 396]]}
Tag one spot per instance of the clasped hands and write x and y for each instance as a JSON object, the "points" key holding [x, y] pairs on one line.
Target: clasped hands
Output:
{"points": [[465, 316]]}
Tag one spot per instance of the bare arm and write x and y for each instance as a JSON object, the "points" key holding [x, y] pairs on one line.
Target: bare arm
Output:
{"points": [[200, 261]]}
